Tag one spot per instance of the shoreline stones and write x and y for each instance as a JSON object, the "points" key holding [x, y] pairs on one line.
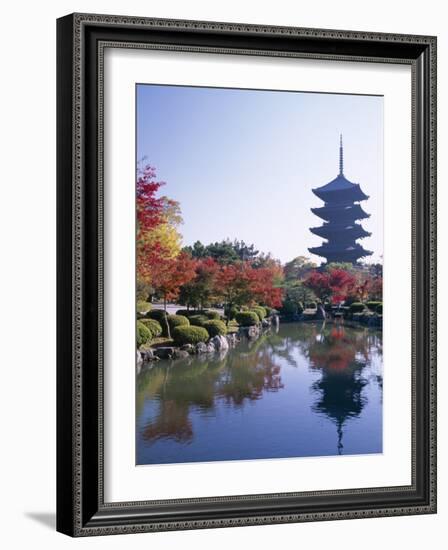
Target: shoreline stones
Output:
{"points": [[217, 344], [250, 332], [201, 347], [180, 354], [164, 352], [188, 347]]}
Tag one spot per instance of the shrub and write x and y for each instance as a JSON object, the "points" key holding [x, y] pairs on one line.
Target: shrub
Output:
{"points": [[143, 334], [157, 314], [230, 312], [185, 312], [177, 321], [198, 320], [269, 310], [379, 308], [247, 318], [189, 335], [357, 307], [289, 307], [215, 328], [260, 311], [142, 306], [212, 315], [154, 327], [373, 305]]}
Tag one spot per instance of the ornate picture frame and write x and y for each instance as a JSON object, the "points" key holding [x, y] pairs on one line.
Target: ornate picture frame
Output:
{"points": [[81, 506]]}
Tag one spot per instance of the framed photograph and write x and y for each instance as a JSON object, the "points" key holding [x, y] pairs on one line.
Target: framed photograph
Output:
{"points": [[246, 274]]}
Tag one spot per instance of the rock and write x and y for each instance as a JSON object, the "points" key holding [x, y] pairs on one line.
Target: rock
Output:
{"points": [[276, 320], [188, 347], [148, 355], [201, 347], [164, 353], [253, 332], [232, 339], [139, 358], [211, 348], [180, 354], [219, 343], [266, 323]]}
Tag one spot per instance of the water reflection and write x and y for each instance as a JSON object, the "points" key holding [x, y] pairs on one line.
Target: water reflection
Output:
{"points": [[264, 398]]}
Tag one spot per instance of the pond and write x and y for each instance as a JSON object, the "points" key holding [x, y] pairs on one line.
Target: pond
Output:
{"points": [[304, 390]]}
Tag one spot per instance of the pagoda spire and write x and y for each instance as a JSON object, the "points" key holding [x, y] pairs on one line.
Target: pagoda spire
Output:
{"points": [[341, 156]]}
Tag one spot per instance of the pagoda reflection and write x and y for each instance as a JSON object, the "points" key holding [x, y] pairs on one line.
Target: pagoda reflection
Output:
{"points": [[340, 358]]}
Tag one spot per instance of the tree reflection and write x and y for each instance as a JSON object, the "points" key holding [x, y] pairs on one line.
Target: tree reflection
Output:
{"points": [[199, 382]]}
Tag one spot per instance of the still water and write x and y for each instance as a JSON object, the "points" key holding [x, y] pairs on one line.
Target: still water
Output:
{"points": [[305, 390]]}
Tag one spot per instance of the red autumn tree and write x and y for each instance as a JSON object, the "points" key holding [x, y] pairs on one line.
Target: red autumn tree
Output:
{"points": [[149, 207], [367, 287], [158, 239], [341, 284], [232, 283], [319, 283], [334, 285], [242, 284], [262, 285], [149, 216], [201, 290], [170, 275]]}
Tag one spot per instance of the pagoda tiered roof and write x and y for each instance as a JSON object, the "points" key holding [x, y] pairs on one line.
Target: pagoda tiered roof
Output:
{"points": [[340, 253], [340, 190], [340, 212], [355, 230]]}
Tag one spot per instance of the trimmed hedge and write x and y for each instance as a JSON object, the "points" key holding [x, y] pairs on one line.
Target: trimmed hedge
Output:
{"points": [[247, 318], [157, 314], [260, 311], [143, 307], [177, 321], [269, 310], [198, 320], [372, 305], [215, 328], [213, 315], [155, 328], [143, 334], [357, 307], [230, 312], [379, 308], [185, 312], [189, 335]]}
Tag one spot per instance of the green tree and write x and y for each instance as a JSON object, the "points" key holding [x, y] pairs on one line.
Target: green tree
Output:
{"points": [[298, 268]]}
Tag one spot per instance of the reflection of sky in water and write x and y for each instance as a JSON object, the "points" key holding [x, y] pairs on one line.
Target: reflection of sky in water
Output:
{"points": [[304, 391]]}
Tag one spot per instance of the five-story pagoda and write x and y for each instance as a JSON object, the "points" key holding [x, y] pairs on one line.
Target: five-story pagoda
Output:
{"points": [[340, 213]]}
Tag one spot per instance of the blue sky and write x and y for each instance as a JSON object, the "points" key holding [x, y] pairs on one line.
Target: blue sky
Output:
{"points": [[242, 163]]}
